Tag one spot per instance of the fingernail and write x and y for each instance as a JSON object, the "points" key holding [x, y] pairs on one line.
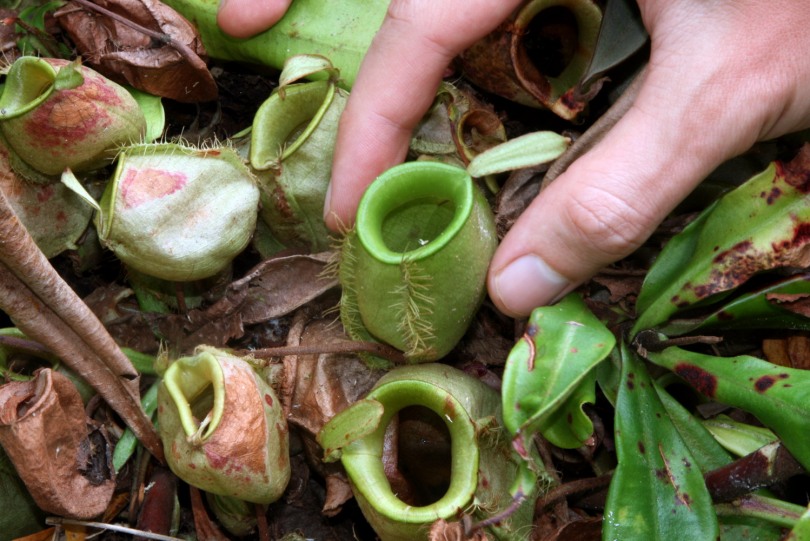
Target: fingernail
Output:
{"points": [[528, 282]]}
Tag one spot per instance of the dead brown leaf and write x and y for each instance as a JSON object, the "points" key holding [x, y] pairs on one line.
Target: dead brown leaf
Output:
{"points": [[166, 59], [315, 388], [272, 289], [798, 303], [44, 431], [792, 351], [520, 189]]}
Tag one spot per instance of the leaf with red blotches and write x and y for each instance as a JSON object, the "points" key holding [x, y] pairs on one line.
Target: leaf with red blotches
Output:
{"points": [[760, 226], [657, 487], [142, 43], [776, 395]]}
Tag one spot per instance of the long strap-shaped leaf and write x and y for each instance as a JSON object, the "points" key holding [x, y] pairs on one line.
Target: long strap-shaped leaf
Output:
{"points": [[46, 309], [778, 396], [657, 492]]}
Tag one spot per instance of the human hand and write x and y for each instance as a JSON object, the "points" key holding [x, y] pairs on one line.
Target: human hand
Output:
{"points": [[721, 76]]}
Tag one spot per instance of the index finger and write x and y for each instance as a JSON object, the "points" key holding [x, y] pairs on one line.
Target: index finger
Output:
{"points": [[395, 87]]}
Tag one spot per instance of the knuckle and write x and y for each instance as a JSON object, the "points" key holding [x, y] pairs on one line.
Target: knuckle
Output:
{"points": [[607, 224]]}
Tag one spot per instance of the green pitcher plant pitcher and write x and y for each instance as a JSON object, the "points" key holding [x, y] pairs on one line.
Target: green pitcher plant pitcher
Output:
{"points": [[292, 143], [480, 471], [56, 115], [413, 268], [175, 212]]}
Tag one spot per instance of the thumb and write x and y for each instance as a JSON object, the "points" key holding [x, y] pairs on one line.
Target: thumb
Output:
{"points": [[611, 199]]}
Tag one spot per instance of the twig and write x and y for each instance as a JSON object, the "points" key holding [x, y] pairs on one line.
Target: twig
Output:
{"points": [[375, 348], [571, 488], [517, 501], [59, 521], [596, 132], [30, 347]]}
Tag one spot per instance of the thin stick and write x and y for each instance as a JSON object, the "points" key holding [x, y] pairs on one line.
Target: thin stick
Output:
{"points": [[30, 347], [375, 348], [596, 132], [59, 521], [571, 488]]}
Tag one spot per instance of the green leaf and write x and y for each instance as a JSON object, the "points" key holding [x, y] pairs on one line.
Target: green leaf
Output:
{"points": [[152, 108], [761, 225], [753, 310], [128, 442], [622, 33], [35, 40], [68, 77], [708, 453], [524, 151], [801, 531], [562, 344], [568, 426], [739, 438], [20, 516], [776, 395], [657, 491]]}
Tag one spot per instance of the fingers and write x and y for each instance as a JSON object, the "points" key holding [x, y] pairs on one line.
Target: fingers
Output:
{"points": [[244, 18], [706, 98], [396, 85], [611, 199]]}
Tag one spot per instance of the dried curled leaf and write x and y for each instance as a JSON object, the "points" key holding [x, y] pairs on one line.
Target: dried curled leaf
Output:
{"points": [[169, 63], [44, 431]]}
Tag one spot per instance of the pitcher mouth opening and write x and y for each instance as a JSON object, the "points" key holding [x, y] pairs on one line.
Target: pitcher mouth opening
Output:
{"points": [[417, 456], [550, 40], [412, 210]]}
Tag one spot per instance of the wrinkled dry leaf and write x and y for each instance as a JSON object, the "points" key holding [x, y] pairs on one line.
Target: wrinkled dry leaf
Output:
{"points": [[318, 387], [520, 189], [117, 308], [272, 289], [173, 67], [43, 428], [622, 288], [792, 351], [798, 303], [315, 388]]}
